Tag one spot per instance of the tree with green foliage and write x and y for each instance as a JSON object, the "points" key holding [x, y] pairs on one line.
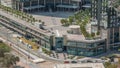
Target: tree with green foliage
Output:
{"points": [[10, 60], [2, 52], [83, 18], [98, 33], [4, 47], [7, 59], [92, 34], [109, 65], [46, 51], [39, 20], [71, 19], [64, 22], [19, 14], [43, 23]]}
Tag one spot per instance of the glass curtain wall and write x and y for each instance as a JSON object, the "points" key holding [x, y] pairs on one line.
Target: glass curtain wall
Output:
{"points": [[85, 49]]}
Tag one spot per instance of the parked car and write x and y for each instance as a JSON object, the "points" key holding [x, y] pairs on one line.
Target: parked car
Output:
{"points": [[73, 61], [66, 62]]}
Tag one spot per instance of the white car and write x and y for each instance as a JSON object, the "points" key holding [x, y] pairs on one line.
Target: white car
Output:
{"points": [[38, 60]]}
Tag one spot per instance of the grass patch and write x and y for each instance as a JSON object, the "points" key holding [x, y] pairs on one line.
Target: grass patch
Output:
{"points": [[46, 51], [0, 25], [71, 57], [79, 57], [4, 47]]}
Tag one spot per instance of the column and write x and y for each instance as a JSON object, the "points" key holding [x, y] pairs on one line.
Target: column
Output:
{"points": [[78, 5], [69, 4], [113, 46], [69, 1], [38, 5], [108, 40], [22, 7], [54, 4], [61, 2], [44, 2], [119, 33], [18, 8], [30, 6]]}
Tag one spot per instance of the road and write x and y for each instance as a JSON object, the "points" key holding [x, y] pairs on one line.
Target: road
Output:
{"points": [[33, 28], [22, 59], [24, 23], [6, 33]]}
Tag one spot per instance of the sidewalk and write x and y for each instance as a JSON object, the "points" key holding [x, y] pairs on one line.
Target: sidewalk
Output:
{"points": [[24, 65]]}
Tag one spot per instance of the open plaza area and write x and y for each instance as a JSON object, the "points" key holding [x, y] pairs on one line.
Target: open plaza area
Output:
{"points": [[61, 33], [52, 18]]}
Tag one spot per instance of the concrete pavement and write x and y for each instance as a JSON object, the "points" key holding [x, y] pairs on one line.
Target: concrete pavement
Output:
{"points": [[7, 36]]}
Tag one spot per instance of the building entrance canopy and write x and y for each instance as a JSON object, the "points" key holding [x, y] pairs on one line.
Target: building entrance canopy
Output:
{"points": [[87, 6], [67, 6], [34, 7]]}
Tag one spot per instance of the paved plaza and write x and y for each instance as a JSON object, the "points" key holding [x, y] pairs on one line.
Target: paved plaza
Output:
{"points": [[51, 18]]}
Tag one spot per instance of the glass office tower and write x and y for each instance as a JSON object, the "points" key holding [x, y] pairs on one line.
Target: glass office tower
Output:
{"points": [[54, 5], [47, 4], [108, 20], [99, 8]]}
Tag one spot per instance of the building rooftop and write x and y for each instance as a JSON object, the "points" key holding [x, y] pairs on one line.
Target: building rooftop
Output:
{"points": [[75, 37], [21, 22], [81, 38]]}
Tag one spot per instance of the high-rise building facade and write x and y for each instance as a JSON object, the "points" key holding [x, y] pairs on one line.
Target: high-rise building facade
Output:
{"points": [[108, 22], [98, 10], [54, 5], [47, 4]]}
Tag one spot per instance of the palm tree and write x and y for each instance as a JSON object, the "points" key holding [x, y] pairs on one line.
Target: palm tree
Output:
{"points": [[33, 19], [39, 20], [43, 23], [2, 53], [18, 14], [71, 19], [63, 21]]}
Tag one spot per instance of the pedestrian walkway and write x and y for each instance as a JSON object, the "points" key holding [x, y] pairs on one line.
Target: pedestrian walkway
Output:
{"points": [[24, 65]]}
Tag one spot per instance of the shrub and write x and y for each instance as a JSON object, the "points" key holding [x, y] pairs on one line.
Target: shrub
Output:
{"points": [[65, 22], [98, 33], [4, 47], [46, 51], [92, 34]]}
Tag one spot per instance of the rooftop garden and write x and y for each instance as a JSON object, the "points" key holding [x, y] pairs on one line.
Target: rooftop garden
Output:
{"points": [[19, 14], [81, 18]]}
